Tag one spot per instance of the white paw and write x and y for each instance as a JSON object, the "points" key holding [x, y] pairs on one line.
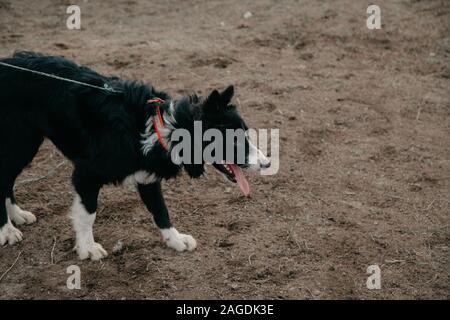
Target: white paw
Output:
{"points": [[94, 251], [23, 217], [9, 234], [18, 215], [178, 241]]}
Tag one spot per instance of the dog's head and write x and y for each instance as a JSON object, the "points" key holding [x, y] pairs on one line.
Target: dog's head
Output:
{"points": [[221, 120]]}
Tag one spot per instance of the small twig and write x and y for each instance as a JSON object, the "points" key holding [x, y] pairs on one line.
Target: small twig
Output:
{"points": [[12, 266], [429, 206], [394, 261], [317, 198], [419, 109], [250, 258], [239, 103], [434, 278], [53, 249], [309, 291], [293, 236], [102, 265], [48, 175], [394, 196], [194, 74]]}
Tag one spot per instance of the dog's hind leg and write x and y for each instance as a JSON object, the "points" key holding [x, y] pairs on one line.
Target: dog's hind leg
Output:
{"points": [[153, 198], [83, 213]]}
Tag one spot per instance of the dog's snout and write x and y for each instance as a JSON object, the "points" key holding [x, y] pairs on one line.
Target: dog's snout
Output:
{"points": [[266, 164]]}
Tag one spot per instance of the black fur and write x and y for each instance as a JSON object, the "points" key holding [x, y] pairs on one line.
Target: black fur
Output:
{"points": [[99, 131]]}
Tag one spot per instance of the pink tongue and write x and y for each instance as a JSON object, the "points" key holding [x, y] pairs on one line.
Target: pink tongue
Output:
{"points": [[242, 182]]}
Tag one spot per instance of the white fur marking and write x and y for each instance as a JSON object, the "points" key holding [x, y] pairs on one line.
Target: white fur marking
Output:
{"points": [[172, 108], [150, 137], [17, 215], [140, 177], [9, 234], [83, 222], [178, 241]]}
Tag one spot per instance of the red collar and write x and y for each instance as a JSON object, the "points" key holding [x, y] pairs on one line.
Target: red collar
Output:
{"points": [[156, 102]]}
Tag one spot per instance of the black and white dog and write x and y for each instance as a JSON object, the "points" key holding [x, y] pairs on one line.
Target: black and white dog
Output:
{"points": [[111, 137]]}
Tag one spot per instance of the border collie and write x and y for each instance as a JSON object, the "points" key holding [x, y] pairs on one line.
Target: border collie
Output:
{"points": [[110, 136]]}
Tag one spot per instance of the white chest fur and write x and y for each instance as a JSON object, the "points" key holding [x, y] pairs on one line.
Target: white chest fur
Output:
{"points": [[140, 177]]}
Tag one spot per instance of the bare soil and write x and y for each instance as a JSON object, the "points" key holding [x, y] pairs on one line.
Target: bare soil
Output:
{"points": [[364, 119]]}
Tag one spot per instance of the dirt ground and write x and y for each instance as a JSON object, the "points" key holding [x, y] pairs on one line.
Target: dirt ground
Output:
{"points": [[364, 119]]}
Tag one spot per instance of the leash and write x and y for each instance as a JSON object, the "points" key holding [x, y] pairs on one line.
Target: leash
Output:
{"points": [[106, 87], [157, 102]]}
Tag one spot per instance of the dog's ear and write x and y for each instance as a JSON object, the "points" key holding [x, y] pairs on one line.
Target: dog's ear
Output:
{"points": [[213, 102], [218, 101], [227, 95]]}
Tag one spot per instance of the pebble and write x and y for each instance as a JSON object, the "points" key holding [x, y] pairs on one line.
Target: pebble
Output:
{"points": [[118, 247], [248, 15]]}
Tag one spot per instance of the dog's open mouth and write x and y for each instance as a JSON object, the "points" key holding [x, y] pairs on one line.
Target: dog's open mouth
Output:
{"points": [[234, 173]]}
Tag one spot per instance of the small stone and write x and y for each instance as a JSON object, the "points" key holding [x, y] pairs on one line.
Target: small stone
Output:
{"points": [[234, 285], [118, 247], [243, 26], [248, 15]]}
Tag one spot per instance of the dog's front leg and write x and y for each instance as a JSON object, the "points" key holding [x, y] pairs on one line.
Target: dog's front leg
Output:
{"points": [[83, 215], [152, 196]]}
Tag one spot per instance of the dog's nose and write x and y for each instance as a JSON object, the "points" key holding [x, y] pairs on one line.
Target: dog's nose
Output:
{"points": [[265, 165]]}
